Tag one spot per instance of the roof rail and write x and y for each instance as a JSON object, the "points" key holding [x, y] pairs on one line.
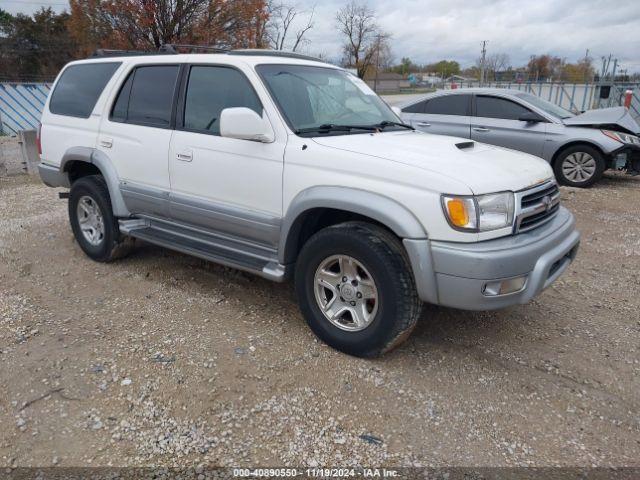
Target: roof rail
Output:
{"points": [[105, 52], [175, 48], [272, 53]]}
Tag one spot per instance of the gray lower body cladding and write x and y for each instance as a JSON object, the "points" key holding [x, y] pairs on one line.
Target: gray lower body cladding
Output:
{"points": [[52, 176], [455, 274]]}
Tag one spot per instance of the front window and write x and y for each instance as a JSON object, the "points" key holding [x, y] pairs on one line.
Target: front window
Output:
{"points": [[325, 101], [542, 104], [211, 89]]}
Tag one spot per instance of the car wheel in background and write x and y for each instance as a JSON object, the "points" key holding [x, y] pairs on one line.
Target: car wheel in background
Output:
{"points": [[579, 166]]}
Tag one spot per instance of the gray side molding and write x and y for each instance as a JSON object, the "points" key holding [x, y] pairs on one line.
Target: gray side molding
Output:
{"points": [[100, 160], [378, 207]]}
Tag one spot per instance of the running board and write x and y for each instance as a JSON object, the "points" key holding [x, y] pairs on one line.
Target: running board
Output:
{"points": [[217, 249]]}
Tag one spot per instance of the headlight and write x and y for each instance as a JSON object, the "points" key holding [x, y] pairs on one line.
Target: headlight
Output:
{"points": [[622, 137], [479, 213]]}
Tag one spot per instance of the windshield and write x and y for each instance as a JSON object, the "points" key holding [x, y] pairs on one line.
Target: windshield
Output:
{"points": [[325, 101], [550, 108]]}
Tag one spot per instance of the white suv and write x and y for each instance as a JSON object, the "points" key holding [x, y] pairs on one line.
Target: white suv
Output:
{"points": [[282, 165]]}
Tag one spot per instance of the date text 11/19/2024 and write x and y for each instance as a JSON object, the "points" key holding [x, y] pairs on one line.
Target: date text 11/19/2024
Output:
{"points": [[316, 472]]}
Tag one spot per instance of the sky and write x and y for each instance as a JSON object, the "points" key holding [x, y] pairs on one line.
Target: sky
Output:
{"points": [[430, 30]]}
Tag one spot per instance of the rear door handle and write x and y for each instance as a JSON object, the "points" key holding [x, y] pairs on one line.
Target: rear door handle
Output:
{"points": [[185, 156], [106, 142], [424, 124], [481, 129]]}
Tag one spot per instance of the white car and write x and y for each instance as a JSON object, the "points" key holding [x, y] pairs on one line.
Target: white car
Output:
{"points": [[285, 166]]}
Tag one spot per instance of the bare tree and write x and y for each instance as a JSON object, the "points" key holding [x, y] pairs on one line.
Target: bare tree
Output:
{"points": [[364, 41], [497, 62], [151, 23], [282, 21]]}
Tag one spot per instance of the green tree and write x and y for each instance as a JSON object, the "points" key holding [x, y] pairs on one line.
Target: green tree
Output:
{"points": [[5, 21], [405, 67], [445, 68], [35, 47]]}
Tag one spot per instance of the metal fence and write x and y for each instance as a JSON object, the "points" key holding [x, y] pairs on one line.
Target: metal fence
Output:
{"points": [[21, 106], [576, 97]]}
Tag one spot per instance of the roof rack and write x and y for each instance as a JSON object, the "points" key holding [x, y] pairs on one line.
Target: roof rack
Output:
{"points": [[174, 49], [105, 52], [272, 53]]}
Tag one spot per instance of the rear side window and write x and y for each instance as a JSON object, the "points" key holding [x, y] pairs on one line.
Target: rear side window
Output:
{"points": [[415, 108], [493, 107], [448, 105], [79, 88], [212, 89], [146, 97]]}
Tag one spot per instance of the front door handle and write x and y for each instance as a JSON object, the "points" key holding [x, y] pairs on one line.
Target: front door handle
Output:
{"points": [[106, 142], [481, 129], [424, 124], [185, 156]]}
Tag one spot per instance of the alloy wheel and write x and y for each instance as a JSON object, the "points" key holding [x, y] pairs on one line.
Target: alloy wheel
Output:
{"points": [[579, 167], [90, 220], [346, 293]]}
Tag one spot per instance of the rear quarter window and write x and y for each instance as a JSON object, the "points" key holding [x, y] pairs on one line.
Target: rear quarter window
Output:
{"points": [[415, 108], [79, 88], [449, 105]]}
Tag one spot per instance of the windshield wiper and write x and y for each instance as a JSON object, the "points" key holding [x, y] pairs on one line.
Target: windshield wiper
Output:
{"points": [[386, 123], [332, 127]]}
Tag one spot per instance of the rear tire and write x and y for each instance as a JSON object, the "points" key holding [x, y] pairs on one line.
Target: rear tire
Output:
{"points": [[366, 269], [579, 166], [92, 221]]}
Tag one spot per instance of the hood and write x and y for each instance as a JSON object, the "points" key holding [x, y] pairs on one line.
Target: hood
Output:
{"points": [[483, 168], [605, 117]]}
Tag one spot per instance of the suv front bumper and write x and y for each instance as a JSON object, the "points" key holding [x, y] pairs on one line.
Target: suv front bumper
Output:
{"points": [[457, 274]]}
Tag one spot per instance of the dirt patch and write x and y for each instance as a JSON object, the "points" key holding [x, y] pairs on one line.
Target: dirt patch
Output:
{"points": [[163, 359]]}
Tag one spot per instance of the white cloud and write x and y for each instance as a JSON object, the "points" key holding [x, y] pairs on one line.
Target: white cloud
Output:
{"points": [[431, 30]]}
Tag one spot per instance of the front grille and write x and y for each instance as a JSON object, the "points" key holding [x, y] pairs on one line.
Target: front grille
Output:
{"points": [[536, 206]]}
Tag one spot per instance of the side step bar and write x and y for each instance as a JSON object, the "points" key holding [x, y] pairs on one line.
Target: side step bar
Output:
{"points": [[217, 249]]}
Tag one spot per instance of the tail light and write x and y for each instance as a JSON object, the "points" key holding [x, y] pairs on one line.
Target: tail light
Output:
{"points": [[39, 139]]}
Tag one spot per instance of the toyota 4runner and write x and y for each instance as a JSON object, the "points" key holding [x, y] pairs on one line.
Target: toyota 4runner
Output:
{"points": [[284, 166]]}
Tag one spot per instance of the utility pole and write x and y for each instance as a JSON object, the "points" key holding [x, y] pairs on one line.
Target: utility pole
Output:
{"points": [[483, 60], [605, 66], [586, 65], [375, 79]]}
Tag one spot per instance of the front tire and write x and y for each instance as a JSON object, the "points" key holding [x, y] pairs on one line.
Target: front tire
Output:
{"points": [[356, 289], [92, 221], [579, 166]]}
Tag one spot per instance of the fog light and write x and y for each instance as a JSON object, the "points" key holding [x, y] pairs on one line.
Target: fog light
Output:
{"points": [[504, 287]]}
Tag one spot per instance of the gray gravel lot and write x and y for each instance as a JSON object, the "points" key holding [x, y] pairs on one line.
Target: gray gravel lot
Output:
{"points": [[163, 359]]}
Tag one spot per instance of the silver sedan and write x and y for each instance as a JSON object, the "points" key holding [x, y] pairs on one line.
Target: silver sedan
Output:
{"points": [[579, 147]]}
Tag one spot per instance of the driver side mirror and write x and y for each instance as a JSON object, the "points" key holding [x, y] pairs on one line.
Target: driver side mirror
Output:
{"points": [[245, 124], [531, 117]]}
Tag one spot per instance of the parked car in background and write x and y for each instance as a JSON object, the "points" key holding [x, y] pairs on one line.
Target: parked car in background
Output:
{"points": [[579, 147]]}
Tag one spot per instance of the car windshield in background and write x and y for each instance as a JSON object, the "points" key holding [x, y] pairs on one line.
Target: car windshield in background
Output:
{"points": [[326, 101], [548, 107]]}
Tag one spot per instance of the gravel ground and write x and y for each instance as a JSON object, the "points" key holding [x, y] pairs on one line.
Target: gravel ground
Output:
{"points": [[163, 359]]}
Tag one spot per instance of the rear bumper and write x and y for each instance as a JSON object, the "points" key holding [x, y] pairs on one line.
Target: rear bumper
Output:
{"points": [[456, 274], [52, 176]]}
